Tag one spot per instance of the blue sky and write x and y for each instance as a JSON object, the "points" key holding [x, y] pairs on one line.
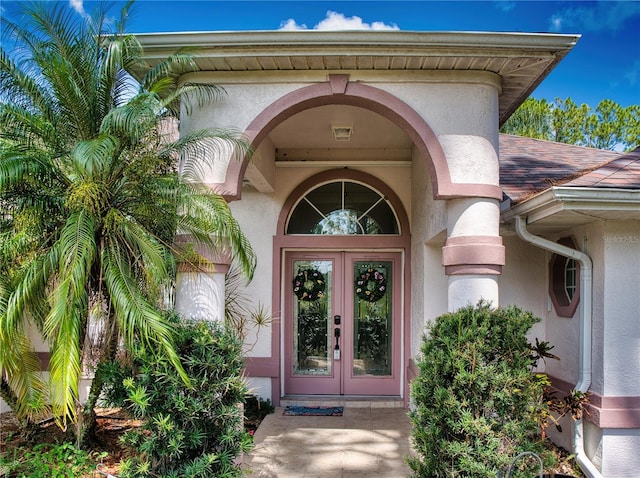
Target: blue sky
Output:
{"points": [[605, 64]]}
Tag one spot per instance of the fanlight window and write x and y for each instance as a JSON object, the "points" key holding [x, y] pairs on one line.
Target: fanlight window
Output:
{"points": [[343, 208]]}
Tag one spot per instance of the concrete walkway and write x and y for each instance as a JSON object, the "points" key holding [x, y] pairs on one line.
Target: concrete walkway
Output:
{"points": [[364, 442]]}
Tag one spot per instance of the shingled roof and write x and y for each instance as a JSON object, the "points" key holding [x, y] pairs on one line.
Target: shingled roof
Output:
{"points": [[623, 173], [528, 166]]}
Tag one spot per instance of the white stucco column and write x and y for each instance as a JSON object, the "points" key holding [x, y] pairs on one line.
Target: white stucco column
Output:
{"points": [[200, 293], [200, 286], [473, 254]]}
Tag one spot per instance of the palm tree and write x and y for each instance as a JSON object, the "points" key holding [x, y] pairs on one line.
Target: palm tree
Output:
{"points": [[94, 187]]}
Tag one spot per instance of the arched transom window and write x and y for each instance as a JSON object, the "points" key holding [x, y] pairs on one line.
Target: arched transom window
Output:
{"points": [[343, 208]]}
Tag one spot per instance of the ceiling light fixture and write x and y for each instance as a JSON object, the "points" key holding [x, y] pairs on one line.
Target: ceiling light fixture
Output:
{"points": [[342, 132]]}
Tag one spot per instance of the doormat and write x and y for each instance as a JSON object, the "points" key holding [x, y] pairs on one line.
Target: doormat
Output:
{"points": [[294, 410]]}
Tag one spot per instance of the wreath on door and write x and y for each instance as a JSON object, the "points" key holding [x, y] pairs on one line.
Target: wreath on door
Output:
{"points": [[371, 285], [309, 285]]}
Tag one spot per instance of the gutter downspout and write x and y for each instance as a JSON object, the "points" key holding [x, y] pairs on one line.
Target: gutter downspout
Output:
{"points": [[586, 285]]}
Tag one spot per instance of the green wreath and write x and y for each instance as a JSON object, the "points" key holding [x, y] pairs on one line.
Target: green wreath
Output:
{"points": [[371, 285], [309, 285]]}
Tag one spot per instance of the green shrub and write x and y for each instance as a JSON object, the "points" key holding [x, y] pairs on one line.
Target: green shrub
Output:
{"points": [[187, 432], [477, 402], [49, 461]]}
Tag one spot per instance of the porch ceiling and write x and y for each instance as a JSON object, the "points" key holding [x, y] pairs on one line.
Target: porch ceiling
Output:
{"points": [[522, 60], [307, 136]]}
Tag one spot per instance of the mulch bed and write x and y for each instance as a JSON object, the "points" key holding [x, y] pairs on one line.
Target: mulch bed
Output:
{"points": [[112, 423]]}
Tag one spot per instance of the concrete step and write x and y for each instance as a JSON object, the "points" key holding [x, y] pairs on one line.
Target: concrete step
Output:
{"points": [[342, 401]]}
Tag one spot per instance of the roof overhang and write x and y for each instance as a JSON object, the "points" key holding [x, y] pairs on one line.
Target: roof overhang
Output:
{"points": [[522, 60], [560, 208]]}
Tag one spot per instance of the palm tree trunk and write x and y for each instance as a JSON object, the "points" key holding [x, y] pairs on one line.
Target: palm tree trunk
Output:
{"points": [[87, 423]]}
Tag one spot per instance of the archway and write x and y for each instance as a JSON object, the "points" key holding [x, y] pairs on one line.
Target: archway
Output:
{"points": [[339, 91]]}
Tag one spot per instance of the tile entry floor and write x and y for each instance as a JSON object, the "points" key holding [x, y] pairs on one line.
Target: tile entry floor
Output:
{"points": [[363, 442]]}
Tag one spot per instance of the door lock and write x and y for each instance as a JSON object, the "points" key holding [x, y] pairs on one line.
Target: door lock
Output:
{"points": [[336, 319]]}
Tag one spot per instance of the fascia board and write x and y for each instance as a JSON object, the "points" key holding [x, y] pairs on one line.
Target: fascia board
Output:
{"points": [[559, 198], [304, 42]]}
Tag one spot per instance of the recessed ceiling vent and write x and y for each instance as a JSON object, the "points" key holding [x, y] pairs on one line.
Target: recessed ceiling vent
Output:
{"points": [[342, 132]]}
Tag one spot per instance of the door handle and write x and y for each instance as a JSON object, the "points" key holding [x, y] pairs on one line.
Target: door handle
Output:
{"points": [[336, 332]]}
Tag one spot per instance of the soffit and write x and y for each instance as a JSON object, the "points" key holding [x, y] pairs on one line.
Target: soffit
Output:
{"points": [[522, 60]]}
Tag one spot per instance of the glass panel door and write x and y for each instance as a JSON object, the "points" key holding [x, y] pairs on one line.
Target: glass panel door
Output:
{"points": [[312, 285], [342, 323], [373, 330], [313, 289], [372, 318]]}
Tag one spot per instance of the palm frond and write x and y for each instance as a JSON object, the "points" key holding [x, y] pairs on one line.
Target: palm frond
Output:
{"points": [[177, 64], [24, 127], [18, 360], [63, 328], [21, 87], [16, 168], [135, 316], [64, 325], [92, 158], [147, 256], [207, 217], [124, 14], [202, 149], [30, 289], [22, 370], [189, 94], [134, 121], [123, 54]]}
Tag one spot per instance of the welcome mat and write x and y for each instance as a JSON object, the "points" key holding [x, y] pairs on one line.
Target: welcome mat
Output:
{"points": [[294, 410]]}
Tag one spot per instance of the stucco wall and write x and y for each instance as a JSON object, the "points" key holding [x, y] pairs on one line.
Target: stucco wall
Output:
{"points": [[428, 233], [523, 281], [621, 328], [260, 234], [464, 116]]}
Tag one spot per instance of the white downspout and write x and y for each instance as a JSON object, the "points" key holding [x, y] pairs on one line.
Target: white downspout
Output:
{"points": [[586, 287]]}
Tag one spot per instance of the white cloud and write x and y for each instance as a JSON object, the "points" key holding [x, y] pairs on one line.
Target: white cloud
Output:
{"points": [[337, 21], [291, 24], [600, 16], [78, 6]]}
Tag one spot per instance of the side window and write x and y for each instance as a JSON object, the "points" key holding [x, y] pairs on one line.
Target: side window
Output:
{"points": [[564, 281]]}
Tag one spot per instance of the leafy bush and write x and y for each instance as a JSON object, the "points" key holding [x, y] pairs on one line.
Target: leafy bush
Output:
{"points": [[48, 461], [188, 431], [477, 402]]}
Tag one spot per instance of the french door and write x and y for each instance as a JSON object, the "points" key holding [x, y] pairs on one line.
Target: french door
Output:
{"points": [[342, 323]]}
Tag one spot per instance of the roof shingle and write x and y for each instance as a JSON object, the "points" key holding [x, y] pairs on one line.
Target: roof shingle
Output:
{"points": [[623, 173], [528, 166]]}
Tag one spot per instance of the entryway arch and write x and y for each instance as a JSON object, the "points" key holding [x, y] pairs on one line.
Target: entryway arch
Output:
{"points": [[339, 91]]}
